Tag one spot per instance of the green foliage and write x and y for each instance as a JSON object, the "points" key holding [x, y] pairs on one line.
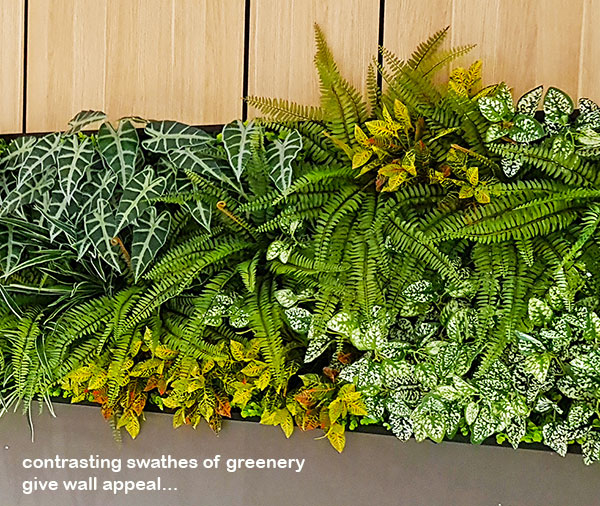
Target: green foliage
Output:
{"points": [[426, 259]]}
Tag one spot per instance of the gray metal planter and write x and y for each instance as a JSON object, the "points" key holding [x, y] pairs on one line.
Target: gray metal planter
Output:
{"points": [[373, 470]]}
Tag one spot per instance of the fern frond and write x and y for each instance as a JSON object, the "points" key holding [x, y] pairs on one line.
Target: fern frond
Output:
{"points": [[276, 109]]}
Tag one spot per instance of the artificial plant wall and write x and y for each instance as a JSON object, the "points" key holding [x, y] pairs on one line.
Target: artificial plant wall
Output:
{"points": [[426, 258]]}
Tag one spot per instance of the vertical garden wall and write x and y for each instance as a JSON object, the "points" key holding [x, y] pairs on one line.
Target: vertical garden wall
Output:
{"points": [[402, 243]]}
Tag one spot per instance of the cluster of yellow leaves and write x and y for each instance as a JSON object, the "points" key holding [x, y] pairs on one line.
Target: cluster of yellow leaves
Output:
{"points": [[457, 173], [324, 405], [388, 149], [465, 82]]}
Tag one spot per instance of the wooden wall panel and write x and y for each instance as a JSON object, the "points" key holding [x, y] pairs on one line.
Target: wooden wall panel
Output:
{"points": [[524, 42], [589, 72], [410, 22], [11, 65], [282, 44], [179, 59]]}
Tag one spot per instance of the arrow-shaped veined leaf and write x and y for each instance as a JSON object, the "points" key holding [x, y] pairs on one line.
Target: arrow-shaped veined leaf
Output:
{"points": [[30, 191], [74, 157], [119, 148], [137, 195], [101, 229], [83, 119], [280, 156], [41, 160], [203, 165], [237, 141], [10, 250], [17, 152], [201, 212], [149, 236], [100, 185], [59, 214], [165, 136]]}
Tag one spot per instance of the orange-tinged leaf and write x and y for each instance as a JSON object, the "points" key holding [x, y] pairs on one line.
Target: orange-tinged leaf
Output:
{"points": [[310, 420], [138, 404], [223, 407], [106, 411]]}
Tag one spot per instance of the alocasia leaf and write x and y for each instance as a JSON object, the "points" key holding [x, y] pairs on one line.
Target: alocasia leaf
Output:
{"points": [[237, 141], [280, 156], [137, 196], [201, 212], [83, 119], [211, 168], [119, 148], [165, 136], [75, 156], [149, 236], [101, 228]]}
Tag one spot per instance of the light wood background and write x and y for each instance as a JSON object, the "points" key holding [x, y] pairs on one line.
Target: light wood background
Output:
{"points": [[11, 65], [185, 59]]}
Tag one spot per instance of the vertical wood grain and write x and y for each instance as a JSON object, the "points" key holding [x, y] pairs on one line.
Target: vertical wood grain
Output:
{"points": [[523, 42], [178, 59], [282, 44], [539, 43], [410, 22], [11, 65], [589, 72]]}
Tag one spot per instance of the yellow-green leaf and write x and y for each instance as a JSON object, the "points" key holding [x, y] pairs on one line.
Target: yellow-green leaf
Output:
{"points": [[387, 117], [133, 427], [337, 437], [380, 128], [98, 380], [254, 368], [340, 145], [361, 137], [402, 115], [286, 422], [465, 192], [473, 175], [361, 157], [179, 418], [165, 353], [264, 379], [482, 196], [408, 162], [237, 350], [337, 409]]}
